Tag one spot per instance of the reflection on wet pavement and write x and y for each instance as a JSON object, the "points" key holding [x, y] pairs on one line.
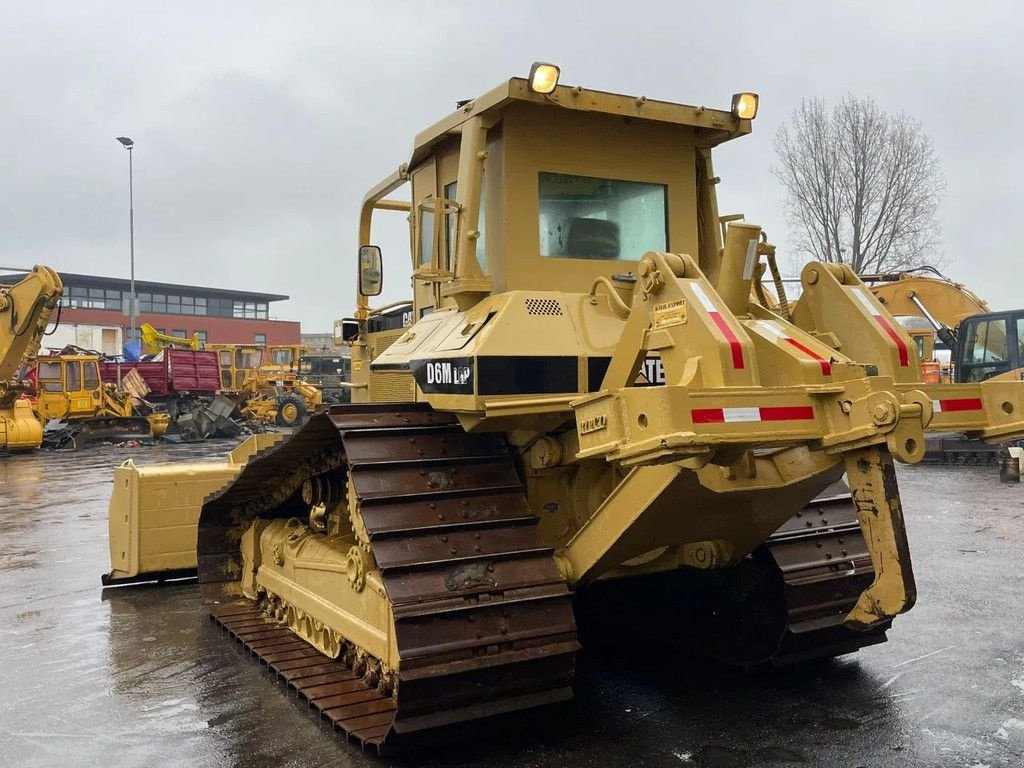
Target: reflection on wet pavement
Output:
{"points": [[140, 677]]}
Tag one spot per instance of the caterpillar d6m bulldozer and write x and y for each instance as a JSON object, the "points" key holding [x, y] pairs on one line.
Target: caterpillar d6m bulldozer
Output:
{"points": [[582, 400]]}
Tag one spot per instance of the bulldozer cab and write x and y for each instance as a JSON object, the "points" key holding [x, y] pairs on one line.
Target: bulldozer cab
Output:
{"points": [[520, 190], [69, 386], [237, 363], [990, 345]]}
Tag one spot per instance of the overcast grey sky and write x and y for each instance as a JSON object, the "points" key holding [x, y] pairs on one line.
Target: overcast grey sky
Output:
{"points": [[259, 126]]}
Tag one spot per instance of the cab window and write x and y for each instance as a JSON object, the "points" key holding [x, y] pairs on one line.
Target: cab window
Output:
{"points": [[282, 357], [92, 375], [426, 237], [451, 192], [74, 372], [248, 359], [49, 377], [585, 217], [986, 342], [983, 349], [225, 358]]}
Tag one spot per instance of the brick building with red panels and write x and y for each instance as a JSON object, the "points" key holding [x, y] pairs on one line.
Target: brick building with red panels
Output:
{"points": [[218, 315]]}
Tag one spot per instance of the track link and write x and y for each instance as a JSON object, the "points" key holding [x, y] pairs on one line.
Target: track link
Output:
{"points": [[825, 565]]}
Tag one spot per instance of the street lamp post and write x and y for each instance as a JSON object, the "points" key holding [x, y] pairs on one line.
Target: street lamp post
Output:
{"points": [[129, 145]]}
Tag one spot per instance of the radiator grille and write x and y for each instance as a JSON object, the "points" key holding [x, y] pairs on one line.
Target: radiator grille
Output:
{"points": [[389, 387], [543, 307]]}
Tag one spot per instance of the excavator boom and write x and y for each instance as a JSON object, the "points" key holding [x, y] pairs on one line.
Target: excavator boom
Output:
{"points": [[25, 310]]}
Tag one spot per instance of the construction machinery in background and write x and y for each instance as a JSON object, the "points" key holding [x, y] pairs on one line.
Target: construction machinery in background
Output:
{"points": [[973, 343], [330, 372], [407, 562], [284, 401], [241, 362], [77, 408], [266, 383], [156, 341], [25, 310], [282, 359]]}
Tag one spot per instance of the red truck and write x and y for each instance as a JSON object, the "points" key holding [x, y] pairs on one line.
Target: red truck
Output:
{"points": [[182, 374]]}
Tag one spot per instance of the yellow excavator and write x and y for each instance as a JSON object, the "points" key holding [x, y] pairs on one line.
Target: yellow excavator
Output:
{"points": [[419, 558], [978, 344], [156, 341], [25, 310]]}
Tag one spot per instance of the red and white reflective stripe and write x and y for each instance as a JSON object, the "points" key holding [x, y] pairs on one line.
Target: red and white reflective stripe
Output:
{"points": [[764, 413], [867, 300], [771, 330], [957, 404], [723, 326]]}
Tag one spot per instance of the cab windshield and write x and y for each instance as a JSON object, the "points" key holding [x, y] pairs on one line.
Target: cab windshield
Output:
{"points": [[585, 217]]}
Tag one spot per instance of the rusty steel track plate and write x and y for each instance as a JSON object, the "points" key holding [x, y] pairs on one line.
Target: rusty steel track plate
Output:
{"points": [[483, 620], [825, 565], [341, 697]]}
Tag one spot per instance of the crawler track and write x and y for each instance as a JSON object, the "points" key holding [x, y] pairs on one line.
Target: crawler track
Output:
{"points": [[825, 565], [483, 621], [340, 696], [482, 618]]}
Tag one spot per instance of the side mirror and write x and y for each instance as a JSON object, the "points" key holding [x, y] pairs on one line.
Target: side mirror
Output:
{"points": [[349, 329], [371, 274]]}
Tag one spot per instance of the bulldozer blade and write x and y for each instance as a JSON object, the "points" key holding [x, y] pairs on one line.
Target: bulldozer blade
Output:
{"points": [[873, 488]]}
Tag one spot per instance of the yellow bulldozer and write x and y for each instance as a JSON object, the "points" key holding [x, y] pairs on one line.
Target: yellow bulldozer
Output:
{"points": [[585, 401], [77, 408], [25, 310]]}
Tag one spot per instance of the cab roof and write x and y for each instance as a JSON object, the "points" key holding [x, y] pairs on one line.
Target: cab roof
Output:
{"points": [[714, 125]]}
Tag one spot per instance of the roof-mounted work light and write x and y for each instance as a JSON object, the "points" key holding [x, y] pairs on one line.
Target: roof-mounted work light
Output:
{"points": [[744, 105], [543, 77]]}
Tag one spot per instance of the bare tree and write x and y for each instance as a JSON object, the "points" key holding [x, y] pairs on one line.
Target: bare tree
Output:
{"points": [[862, 187]]}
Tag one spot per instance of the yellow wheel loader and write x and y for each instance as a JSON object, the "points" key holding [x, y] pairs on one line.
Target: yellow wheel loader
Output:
{"points": [[25, 310], [583, 401]]}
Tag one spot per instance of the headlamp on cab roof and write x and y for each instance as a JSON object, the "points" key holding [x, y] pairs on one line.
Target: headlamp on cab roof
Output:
{"points": [[744, 105], [543, 77]]}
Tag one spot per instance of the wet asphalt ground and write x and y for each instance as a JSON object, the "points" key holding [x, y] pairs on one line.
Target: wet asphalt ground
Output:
{"points": [[139, 676]]}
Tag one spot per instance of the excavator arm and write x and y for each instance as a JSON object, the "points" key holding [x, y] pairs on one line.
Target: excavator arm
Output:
{"points": [[25, 309], [157, 341], [942, 302]]}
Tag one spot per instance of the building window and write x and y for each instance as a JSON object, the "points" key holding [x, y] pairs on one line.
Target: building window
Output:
{"points": [[145, 302], [261, 310], [200, 306], [133, 334], [161, 331], [202, 337], [179, 334], [160, 303], [173, 305], [260, 338], [219, 307]]}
